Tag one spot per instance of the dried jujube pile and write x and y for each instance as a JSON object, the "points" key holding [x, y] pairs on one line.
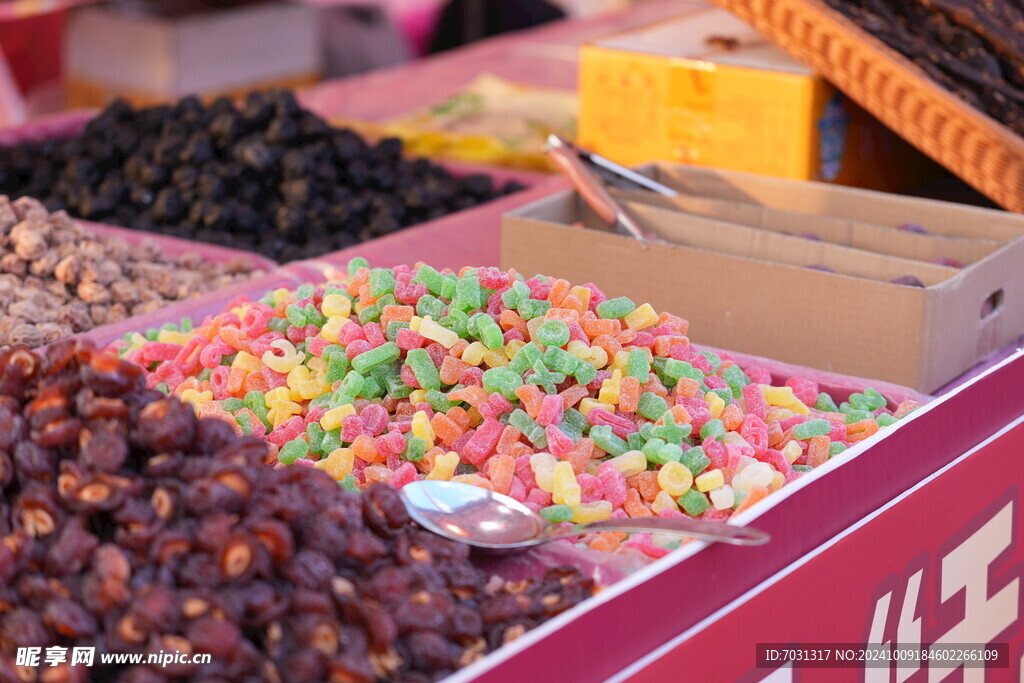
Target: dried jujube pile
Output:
{"points": [[130, 525], [268, 176], [58, 279]]}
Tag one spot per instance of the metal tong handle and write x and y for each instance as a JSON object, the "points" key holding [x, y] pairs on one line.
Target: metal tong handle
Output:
{"points": [[590, 188]]}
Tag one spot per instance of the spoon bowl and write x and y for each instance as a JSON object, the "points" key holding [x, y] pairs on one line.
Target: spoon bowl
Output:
{"points": [[494, 522]]}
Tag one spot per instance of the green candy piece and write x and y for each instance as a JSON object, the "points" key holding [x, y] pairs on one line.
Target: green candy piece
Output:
{"points": [[874, 399], [396, 388], [186, 324], [615, 308], [163, 388], [724, 394], [321, 400], [638, 365], [331, 289], [386, 300], [546, 379], [858, 415], [533, 308], [651, 406], [662, 453], [713, 359], [577, 419], [885, 420], [693, 502], [585, 373], [556, 514], [337, 366], [370, 314], [431, 278], [515, 294], [296, 315], [525, 358], [802, 468], [456, 321], [529, 427], [491, 335], [738, 497], [415, 449], [860, 402], [292, 451], [474, 323], [670, 431], [559, 360], [439, 402], [734, 377], [502, 381], [448, 287], [315, 437], [607, 441], [348, 482], [635, 441], [371, 388], [314, 317], [382, 281], [836, 448], [245, 422], [469, 294], [351, 386], [713, 429], [385, 353], [152, 334], [304, 292], [331, 441], [553, 333], [204, 374], [423, 368], [232, 404], [570, 430], [228, 360], [278, 324], [651, 447], [825, 404], [430, 305], [805, 430], [647, 431], [695, 460], [355, 264], [168, 327]]}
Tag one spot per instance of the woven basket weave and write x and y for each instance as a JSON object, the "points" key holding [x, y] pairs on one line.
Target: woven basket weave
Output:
{"points": [[971, 144]]}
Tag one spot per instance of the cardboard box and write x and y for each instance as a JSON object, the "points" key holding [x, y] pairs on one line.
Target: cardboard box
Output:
{"points": [[749, 289], [152, 57], [706, 88]]}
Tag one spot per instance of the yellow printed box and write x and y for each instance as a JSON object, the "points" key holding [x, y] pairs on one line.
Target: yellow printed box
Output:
{"points": [[707, 89]]}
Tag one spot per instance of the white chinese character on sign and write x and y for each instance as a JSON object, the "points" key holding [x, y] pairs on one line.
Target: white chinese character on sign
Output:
{"points": [[83, 656], [28, 656], [56, 655]]}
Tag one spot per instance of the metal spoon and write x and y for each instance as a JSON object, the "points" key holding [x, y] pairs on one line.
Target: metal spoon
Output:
{"points": [[494, 522]]}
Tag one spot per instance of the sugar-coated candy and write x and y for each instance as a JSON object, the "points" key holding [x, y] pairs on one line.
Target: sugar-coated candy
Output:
{"points": [[583, 407]]}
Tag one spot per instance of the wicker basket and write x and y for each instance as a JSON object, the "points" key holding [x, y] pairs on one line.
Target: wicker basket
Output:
{"points": [[979, 149]]}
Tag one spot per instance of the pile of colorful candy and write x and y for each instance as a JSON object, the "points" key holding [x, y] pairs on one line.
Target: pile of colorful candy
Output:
{"points": [[581, 406]]}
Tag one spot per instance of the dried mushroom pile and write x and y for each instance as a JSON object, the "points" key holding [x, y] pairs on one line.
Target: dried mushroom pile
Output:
{"points": [[130, 525], [58, 279], [972, 48]]}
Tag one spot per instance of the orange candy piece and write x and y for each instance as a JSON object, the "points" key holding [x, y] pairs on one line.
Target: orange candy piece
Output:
{"points": [[629, 394], [446, 429], [687, 387], [634, 506], [732, 417], [595, 327], [500, 470], [817, 453], [858, 431], [365, 449], [558, 292], [755, 495], [573, 395], [531, 397]]}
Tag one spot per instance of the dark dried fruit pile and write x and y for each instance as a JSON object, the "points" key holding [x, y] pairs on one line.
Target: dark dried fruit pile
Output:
{"points": [[972, 48], [129, 525], [268, 177]]}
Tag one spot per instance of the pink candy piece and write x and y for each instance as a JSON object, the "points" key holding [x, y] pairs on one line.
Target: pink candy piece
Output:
{"points": [[758, 374], [437, 354], [838, 432], [716, 452], [459, 445], [350, 333], [375, 419], [596, 295], [492, 278], [374, 334], [392, 460], [390, 443], [644, 339], [356, 347], [559, 442], [789, 422], [472, 377], [219, 382], [513, 334], [291, 429], [715, 382], [538, 290], [517, 490], [212, 353], [669, 512], [274, 379], [154, 351], [755, 402], [806, 390], [408, 340], [316, 345], [777, 460], [261, 344], [698, 410], [551, 408], [613, 484], [713, 514], [755, 432], [539, 496], [255, 321], [576, 333], [409, 377], [314, 414], [351, 427], [621, 426], [483, 441], [524, 472], [592, 488]]}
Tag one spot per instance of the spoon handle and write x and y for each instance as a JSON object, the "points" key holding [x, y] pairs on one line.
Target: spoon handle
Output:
{"points": [[694, 528]]}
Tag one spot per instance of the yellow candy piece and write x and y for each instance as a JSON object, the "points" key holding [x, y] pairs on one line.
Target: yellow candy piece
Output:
{"points": [[473, 480], [172, 337], [138, 340], [581, 293], [333, 418], [610, 388], [414, 322], [630, 463], [474, 353], [313, 388], [675, 478], [531, 328], [332, 328], [723, 497], [317, 365], [297, 376], [282, 411], [421, 427], [734, 438], [358, 306], [642, 317], [543, 466], [596, 356], [280, 295], [784, 398], [588, 403], [418, 396], [246, 361], [792, 451], [512, 348], [778, 480], [495, 358], [710, 480], [338, 464], [591, 512], [621, 361], [336, 304], [439, 333], [715, 404], [277, 395], [567, 490], [444, 466], [286, 363], [663, 501]]}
